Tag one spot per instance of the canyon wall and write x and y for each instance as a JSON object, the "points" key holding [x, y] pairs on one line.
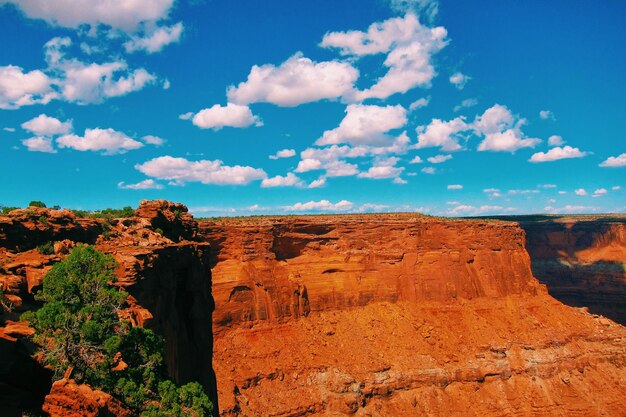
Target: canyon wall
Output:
{"points": [[582, 260], [395, 315], [165, 271]]}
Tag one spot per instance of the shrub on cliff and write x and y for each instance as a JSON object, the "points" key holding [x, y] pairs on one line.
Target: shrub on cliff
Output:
{"points": [[36, 203], [78, 327]]}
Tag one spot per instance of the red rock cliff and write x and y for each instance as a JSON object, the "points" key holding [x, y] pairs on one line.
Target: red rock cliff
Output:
{"points": [[396, 315], [163, 269]]}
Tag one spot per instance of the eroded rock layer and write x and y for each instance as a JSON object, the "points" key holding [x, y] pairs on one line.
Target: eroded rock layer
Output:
{"points": [[396, 315], [160, 265], [582, 260]]}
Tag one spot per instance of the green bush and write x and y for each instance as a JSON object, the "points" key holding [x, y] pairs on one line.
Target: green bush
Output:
{"points": [[79, 327], [36, 203], [46, 248], [7, 209]]}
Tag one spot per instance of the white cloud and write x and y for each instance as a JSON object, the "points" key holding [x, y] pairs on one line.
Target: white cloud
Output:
{"points": [[19, 88], [322, 205], [366, 124], [522, 192], [614, 161], [569, 209], [39, 144], [466, 104], [409, 47], [502, 131], [44, 125], [231, 115], [142, 185], [155, 41], [562, 192], [426, 8], [492, 192], [455, 187], [85, 83], [384, 168], [419, 103], [580, 191], [318, 183], [290, 180], [428, 170], [546, 114], [555, 154], [153, 140], [555, 140], [186, 116], [442, 134], [438, 159], [616, 188], [468, 210], [296, 81], [119, 14], [548, 186], [599, 192], [108, 141], [399, 180], [9, 129], [285, 153], [416, 160], [459, 80], [181, 170]]}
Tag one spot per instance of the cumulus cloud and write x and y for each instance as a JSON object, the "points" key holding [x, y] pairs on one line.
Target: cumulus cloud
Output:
{"points": [[383, 168], [459, 80], [153, 140], [409, 47], [318, 183], [428, 170], [455, 187], [492, 192], [107, 141], [285, 153], [44, 125], [231, 115], [468, 210], [85, 83], [502, 131], [290, 180], [322, 205], [557, 153], [419, 103], [141, 185], [296, 81], [599, 192], [119, 14], [555, 140], [445, 135], [614, 161], [616, 188], [181, 170], [19, 88], [568, 209], [466, 104], [580, 191], [416, 160], [426, 8], [155, 41], [39, 144], [366, 124], [546, 114], [438, 159]]}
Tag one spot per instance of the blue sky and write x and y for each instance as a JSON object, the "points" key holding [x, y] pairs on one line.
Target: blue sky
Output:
{"points": [[245, 107]]}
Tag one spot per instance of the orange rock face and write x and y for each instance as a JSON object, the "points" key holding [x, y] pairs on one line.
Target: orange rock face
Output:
{"points": [[397, 315], [582, 261], [68, 399]]}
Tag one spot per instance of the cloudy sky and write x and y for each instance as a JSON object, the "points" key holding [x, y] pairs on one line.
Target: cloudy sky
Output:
{"points": [[238, 107]]}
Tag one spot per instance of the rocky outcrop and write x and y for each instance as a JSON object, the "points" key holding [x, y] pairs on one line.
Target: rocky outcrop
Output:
{"points": [[68, 399], [393, 315], [165, 272], [582, 260], [24, 229]]}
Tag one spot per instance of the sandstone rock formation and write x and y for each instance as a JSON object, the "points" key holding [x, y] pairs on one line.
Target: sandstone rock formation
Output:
{"points": [[68, 399], [166, 275], [396, 315], [582, 260]]}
